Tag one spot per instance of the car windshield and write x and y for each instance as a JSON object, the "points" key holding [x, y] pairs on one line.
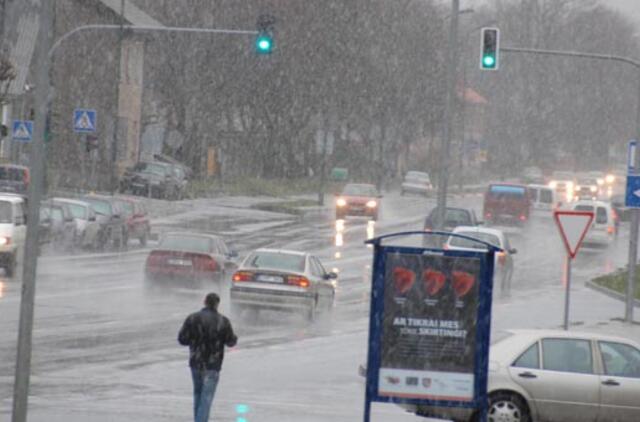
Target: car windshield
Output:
{"points": [[359, 190], [506, 191], [277, 261], [127, 207], [186, 242], [417, 175], [470, 244], [100, 206], [5, 212], [153, 168], [454, 216]]}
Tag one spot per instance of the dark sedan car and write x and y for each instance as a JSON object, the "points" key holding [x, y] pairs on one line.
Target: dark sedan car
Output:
{"points": [[154, 179], [189, 257], [453, 217]]}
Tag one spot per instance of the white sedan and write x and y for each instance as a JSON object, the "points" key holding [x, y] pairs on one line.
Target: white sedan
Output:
{"points": [[557, 376]]}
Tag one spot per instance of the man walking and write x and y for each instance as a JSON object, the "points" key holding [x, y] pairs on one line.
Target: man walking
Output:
{"points": [[206, 333]]}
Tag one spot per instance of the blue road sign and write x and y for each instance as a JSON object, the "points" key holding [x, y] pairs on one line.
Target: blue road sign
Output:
{"points": [[427, 307], [84, 120], [22, 130], [632, 198], [631, 157]]}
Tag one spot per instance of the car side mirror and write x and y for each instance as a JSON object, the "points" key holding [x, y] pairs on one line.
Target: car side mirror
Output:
{"points": [[513, 251], [331, 276]]}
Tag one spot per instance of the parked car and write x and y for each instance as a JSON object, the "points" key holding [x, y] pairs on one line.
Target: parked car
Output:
{"points": [[136, 219], [154, 179], [282, 280], [358, 199], [417, 182], [13, 232], [14, 178], [45, 229], [188, 257], [557, 376], [87, 228], [109, 216], [604, 228], [507, 204], [63, 225], [503, 266]]}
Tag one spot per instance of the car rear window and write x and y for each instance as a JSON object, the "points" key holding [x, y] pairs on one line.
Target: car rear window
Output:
{"points": [[507, 191], [546, 196], [457, 217], [101, 207], [277, 261], [178, 242], [12, 173], [5, 212], [601, 215], [586, 208], [466, 243]]}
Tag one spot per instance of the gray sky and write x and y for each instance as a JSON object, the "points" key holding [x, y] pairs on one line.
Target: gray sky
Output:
{"points": [[628, 6]]}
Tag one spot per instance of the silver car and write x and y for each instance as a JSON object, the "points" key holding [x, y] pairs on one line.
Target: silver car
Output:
{"points": [[87, 226], [282, 280], [417, 182], [558, 376]]}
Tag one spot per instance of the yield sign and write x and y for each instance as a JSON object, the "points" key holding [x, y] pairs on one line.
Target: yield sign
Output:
{"points": [[573, 226]]}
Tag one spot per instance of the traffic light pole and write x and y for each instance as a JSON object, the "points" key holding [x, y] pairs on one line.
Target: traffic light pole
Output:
{"points": [[635, 213], [445, 146]]}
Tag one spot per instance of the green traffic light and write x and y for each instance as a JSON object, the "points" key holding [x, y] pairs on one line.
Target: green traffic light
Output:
{"points": [[489, 61], [264, 44]]}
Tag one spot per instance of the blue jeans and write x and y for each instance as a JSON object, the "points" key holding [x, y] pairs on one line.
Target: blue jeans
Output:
{"points": [[204, 387]]}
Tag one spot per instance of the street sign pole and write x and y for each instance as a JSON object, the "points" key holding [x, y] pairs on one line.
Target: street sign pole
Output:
{"points": [[634, 156], [25, 330], [567, 291]]}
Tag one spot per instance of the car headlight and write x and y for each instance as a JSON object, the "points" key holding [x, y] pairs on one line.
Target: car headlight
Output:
{"points": [[570, 186], [600, 182], [4, 240], [372, 204], [341, 202], [553, 184], [610, 178], [594, 189]]}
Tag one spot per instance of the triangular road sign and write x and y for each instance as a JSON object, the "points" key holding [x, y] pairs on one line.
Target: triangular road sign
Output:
{"points": [[22, 132], [573, 226], [84, 122]]}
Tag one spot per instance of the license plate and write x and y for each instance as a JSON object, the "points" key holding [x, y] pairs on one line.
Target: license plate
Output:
{"points": [[270, 278], [179, 262]]}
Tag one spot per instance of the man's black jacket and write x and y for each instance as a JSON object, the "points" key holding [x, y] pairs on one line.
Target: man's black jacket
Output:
{"points": [[206, 333]]}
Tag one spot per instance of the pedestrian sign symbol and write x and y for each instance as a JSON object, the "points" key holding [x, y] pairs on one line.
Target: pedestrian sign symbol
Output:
{"points": [[84, 120], [22, 130]]}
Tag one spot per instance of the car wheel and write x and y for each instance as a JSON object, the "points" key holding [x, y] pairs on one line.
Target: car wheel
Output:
{"points": [[506, 407]]}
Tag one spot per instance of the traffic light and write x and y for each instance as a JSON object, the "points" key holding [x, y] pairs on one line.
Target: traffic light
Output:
{"points": [[490, 49], [264, 43], [264, 40]]}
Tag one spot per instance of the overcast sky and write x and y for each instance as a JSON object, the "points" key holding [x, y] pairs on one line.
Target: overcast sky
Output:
{"points": [[628, 6]]}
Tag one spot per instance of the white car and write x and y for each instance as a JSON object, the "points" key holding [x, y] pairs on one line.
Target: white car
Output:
{"points": [[282, 280], [417, 182], [87, 226], [603, 229], [503, 266], [13, 232], [557, 376]]}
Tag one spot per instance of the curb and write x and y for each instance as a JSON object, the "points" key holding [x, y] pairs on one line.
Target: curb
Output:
{"points": [[611, 293]]}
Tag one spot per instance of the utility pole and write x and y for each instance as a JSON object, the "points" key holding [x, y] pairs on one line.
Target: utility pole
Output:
{"points": [[116, 125], [25, 331], [451, 65]]}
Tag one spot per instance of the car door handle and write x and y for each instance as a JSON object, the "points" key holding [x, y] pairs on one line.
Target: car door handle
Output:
{"points": [[612, 383], [527, 375]]}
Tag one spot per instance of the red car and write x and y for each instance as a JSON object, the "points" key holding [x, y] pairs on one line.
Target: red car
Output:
{"points": [[136, 219], [358, 199], [507, 204], [189, 257]]}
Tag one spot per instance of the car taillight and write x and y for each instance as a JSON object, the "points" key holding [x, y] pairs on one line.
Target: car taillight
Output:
{"points": [[610, 229], [502, 258], [523, 217], [297, 280], [240, 276], [26, 178], [488, 215], [154, 259], [205, 263]]}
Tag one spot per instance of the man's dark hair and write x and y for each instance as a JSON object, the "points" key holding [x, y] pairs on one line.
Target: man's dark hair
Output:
{"points": [[212, 300]]}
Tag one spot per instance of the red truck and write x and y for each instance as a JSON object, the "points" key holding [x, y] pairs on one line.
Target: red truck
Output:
{"points": [[507, 204]]}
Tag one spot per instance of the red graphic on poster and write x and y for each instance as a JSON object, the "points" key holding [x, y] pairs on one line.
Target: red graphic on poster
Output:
{"points": [[433, 281], [403, 279], [462, 282]]}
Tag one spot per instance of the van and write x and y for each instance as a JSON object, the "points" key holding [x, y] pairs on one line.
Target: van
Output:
{"points": [[13, 232], [543, 200], [507, 204], [603, 229]]}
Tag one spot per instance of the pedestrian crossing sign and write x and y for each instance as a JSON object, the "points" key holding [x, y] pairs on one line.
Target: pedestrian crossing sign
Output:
{"points": [[22, 130], [84, 120]]}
